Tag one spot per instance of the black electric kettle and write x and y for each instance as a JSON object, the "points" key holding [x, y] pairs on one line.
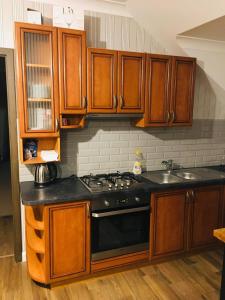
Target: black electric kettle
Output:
{"points": [[45, 174]]}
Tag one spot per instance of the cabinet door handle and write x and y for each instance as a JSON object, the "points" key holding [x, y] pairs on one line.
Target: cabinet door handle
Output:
{"points": [[168, 116], [173, 116], [84, 102], [187, 197], [121, 102], [193, 195], [114, 101], [88, 210], [57, 124]]}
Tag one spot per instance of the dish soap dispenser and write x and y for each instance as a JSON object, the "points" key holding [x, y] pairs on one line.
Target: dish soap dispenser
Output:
{"points": [[137, 170]]}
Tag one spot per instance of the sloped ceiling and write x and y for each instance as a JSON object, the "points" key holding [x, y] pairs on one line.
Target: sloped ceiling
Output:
{"points": [[213, 30], [167, 19]]}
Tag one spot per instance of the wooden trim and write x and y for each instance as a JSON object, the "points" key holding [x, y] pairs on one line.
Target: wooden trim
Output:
{"points": [[118, 261], [12, 119]]}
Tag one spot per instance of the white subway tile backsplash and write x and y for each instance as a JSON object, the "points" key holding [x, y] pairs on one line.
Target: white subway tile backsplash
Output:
{"points": [[113, 150]]}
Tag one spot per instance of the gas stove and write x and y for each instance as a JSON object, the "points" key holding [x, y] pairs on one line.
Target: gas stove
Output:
{"points": [[115, 191], [109, 182]]}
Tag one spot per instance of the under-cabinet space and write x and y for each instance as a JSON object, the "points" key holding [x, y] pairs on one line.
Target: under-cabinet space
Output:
{"points": [[72, 121]]}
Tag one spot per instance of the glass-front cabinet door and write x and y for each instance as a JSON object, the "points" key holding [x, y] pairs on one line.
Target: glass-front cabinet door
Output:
{"points": [[38, 84]]}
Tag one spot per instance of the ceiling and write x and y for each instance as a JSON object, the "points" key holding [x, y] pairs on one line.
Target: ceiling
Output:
{"points": [[213, 30]]}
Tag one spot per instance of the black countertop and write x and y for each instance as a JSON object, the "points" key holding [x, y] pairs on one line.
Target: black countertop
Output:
{"points": [[66, 190], [72, 189]]}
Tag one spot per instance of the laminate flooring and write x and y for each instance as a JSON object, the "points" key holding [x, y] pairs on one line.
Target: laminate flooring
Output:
{"points": [[194, 278]]}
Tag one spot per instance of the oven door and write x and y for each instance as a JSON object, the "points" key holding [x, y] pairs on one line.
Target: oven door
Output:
{"points": [[119, 232]]}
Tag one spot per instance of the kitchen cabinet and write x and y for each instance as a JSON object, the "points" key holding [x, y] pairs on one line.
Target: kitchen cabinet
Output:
{"points": [[182, 91], [37, 80], [37, 89], [58, 241], [130, 87], [184, 220], [169, 91], [206, 215], [157, 104], [168, 223], [101, 81], [115, 81], [72, 71]]}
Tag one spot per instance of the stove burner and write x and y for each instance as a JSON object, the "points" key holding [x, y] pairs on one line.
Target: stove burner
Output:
{"points": [[109, 182]]}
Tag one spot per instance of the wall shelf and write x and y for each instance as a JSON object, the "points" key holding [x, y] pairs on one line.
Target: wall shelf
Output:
{"points": [[50, 143], [68, 121], [39, 100], [38, 66]]}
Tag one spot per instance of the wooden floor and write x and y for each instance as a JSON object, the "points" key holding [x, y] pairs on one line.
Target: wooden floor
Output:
{"points": [[6, 236], [196, 277]]}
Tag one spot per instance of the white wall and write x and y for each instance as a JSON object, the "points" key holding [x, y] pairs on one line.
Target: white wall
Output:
{"points": [[15, 10], [166, 19], [211, 59]]}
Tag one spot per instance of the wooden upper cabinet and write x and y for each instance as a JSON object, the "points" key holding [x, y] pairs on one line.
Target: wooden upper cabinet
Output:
{"points": [[168, 230], [157, 95], [69, 233], [206, 215], [131, 82], [37, 80], [102, 80], [72, 71], [182, 95]]}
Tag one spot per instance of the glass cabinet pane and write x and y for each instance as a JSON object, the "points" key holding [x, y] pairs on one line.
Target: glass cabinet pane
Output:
{"points": [[38, 67]]}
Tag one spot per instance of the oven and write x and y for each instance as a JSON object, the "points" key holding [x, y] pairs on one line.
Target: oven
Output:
{"points": [[121, 229]]}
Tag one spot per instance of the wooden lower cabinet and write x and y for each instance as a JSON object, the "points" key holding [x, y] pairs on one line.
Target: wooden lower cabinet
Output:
{"points": [[184, 220], [58, 235], [58, 241], [168, 230], [69, 236], [206, 215]]}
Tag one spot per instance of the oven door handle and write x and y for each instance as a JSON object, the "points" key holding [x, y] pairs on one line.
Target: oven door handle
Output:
{"points": [[120, 212]]}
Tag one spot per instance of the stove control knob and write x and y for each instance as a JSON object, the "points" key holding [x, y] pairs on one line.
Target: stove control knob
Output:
{"points": [[110, 186], [116, 185], [107, 203], [137, 199], [122, 185], [128, 183]]}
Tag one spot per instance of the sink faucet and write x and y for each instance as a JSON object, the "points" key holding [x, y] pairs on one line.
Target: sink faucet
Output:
{"points": [[168, 164]]}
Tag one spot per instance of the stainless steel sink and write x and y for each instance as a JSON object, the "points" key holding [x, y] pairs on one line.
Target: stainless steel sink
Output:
{"points": [[176, 176], [188, 175], [208, 173], [162, 177]]}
